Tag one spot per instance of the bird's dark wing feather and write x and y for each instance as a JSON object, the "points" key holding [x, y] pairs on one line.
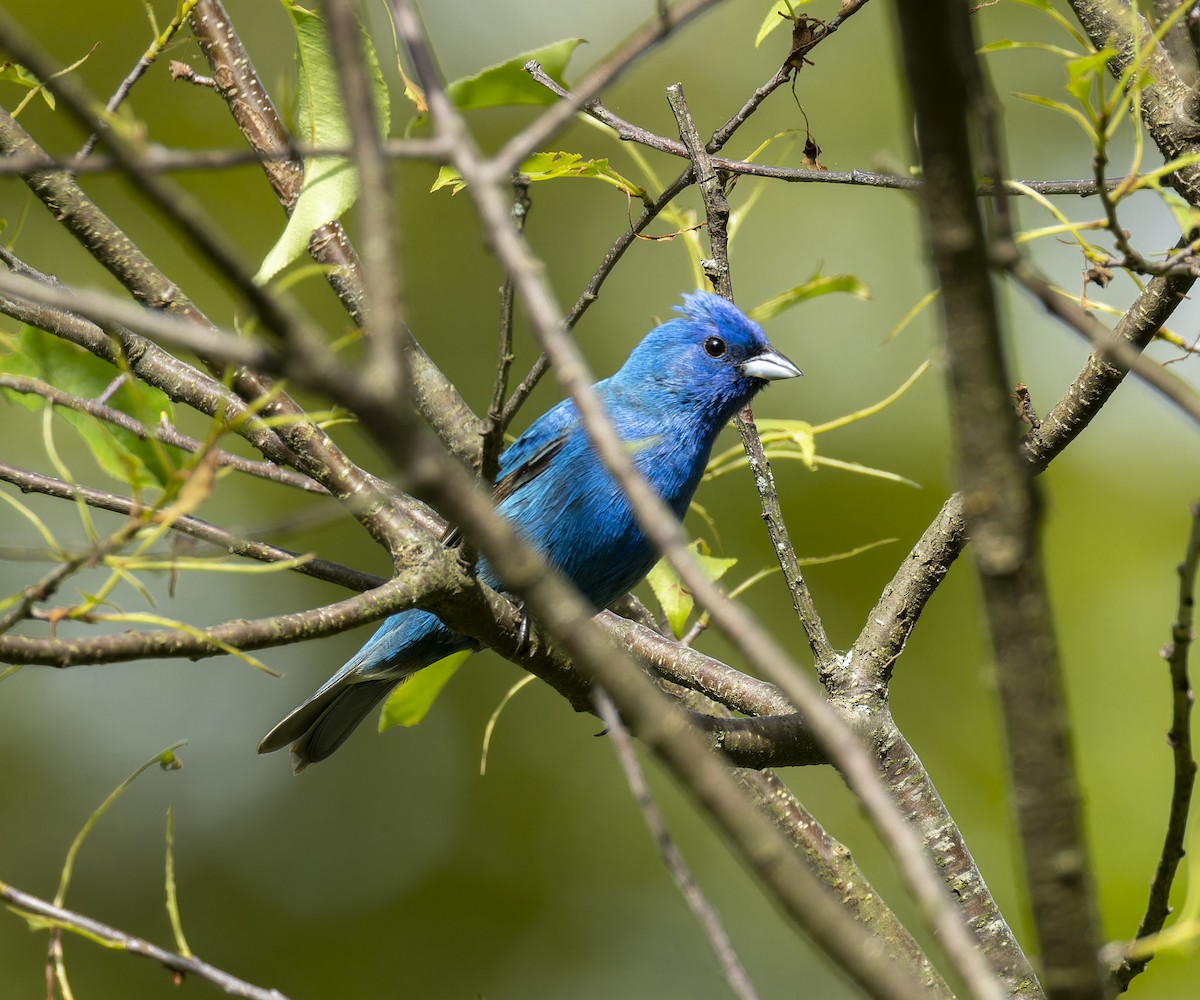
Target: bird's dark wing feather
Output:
{"points": [[507, 485]]}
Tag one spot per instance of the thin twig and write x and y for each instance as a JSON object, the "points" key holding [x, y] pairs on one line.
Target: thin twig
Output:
{"points": [[1179, 739], [716, 211], [144, 63], [1111, 349], [423, 583], [601, 76], [42, 913], [493, 439], [704, 912], [164, 160], [163, 432], [318, 569]]}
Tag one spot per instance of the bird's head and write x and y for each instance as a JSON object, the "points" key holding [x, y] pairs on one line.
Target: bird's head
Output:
{"points": [[712, 356]]}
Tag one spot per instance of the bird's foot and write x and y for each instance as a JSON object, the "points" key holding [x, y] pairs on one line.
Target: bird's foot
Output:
{"points": [[523, 644]]}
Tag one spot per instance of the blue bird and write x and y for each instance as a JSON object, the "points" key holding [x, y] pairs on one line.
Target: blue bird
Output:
{"points": [[681, 385]]}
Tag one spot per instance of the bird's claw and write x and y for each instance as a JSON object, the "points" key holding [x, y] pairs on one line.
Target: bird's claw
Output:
{"points": [[522, 629]]}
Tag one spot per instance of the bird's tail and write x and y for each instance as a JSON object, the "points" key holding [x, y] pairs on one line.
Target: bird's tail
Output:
{"points": [[324, 722], [400, 647]]}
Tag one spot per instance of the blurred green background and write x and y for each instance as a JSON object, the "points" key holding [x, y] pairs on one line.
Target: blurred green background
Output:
{"points": [[394, 869]]}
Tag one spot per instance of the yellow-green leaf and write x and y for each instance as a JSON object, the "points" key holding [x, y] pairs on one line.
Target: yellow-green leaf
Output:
{"points": [[122, 455], [780, 12], [507, 83], [675, 599], [330, 182], [1009, 45], [551, 166], [1062, 108], [412, 700], [18, 74], [818, 284]]}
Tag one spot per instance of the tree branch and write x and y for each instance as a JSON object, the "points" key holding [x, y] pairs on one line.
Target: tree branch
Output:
{"points": [[1179, 739], [946, 89], [40, 912]]}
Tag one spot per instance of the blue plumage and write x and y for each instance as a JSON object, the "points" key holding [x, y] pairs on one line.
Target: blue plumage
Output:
{"points": [[679, 387]]}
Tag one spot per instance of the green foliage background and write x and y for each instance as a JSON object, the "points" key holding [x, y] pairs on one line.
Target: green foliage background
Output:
{"points": [[395, 869]]}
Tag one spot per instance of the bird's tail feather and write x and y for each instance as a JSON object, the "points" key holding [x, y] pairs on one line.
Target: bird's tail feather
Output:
{"points": [[322, 724]]}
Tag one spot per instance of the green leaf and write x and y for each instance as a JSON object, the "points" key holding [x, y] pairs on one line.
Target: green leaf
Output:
{"points": [[781, 11], [507, 83], [412, 700], [1081, 73], [330, 182], [674, 599], [121, 454], [818, 284], [551, 166], [18, 74], [448, 177], [1186, 216], [1062, 108], [1010, 45]]}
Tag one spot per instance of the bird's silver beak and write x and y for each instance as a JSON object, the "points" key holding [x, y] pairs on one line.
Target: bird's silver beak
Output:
{"points": [[769, 366]]}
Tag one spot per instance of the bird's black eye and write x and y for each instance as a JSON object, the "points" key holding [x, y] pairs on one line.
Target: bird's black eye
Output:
{"points": [[714, 347]]}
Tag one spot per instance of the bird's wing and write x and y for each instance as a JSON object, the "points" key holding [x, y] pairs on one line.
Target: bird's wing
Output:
{"points": [[529, 456], [530, 469]]}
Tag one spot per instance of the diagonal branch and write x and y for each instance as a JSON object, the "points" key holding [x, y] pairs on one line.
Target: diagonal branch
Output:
{"points": [[43, 913], [664, 531]]}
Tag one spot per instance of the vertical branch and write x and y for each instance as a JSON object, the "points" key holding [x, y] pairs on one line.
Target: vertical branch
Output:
{"points": [[493, 440], [1179, 738], [384, 377], [1001, 505], [712, 191], [716, 210]]}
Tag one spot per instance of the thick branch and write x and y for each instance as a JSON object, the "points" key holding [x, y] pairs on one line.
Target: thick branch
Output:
{"points": [[1002, 507], [438, 402]]}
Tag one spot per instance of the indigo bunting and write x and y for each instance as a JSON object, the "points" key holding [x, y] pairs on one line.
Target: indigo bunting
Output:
{"points": [[681, 385]]}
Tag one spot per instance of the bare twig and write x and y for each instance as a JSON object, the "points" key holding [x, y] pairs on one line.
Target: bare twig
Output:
{"points": [[43, 913], [716, 211], [1112, 349], [601, 76], [423, 583], [1179, 738], [318, 569], [144, 63], [163, 432], [704, 912], [493, 440]]}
